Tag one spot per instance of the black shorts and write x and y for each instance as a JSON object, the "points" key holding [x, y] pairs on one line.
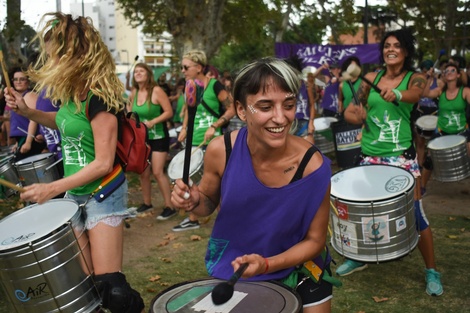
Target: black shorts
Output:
{"points": [[160, 145], [313, 293]]}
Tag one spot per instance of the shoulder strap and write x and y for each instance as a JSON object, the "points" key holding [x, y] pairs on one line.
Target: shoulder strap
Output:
{"points": [[208, 109], [228, 146], [300, 171]]}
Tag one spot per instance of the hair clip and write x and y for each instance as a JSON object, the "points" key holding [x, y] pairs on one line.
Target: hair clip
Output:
{"points": [[54, 23]]}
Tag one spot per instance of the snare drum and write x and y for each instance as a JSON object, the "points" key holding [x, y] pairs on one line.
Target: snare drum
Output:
{"points": [[8, 172], [372, 213], [248, 297], [175, 168], [45, 263], [323, 134], [449, 158], [426, 126], [40, 168]]}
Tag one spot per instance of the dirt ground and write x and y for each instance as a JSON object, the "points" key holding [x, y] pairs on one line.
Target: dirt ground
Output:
{"points": [[450, 198]]}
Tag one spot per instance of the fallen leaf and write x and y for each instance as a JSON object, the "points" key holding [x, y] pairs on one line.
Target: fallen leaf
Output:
{"points": [[195, 238], [164, 284], [452, 218], [166, 260], [151, 290], [378, 300], [170, 237], [154, 278], [462, 230], [452, 236], [163, 243], [177, 245]]}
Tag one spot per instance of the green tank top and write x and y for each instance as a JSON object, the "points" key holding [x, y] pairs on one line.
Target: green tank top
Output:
{"points": [[347, 93], [451, 116], [148, 112], [78, 145], [204, 119], [389, 125]]}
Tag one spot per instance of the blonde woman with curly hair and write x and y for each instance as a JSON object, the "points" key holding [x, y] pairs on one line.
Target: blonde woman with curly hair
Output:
{"points": [[76, 68]]}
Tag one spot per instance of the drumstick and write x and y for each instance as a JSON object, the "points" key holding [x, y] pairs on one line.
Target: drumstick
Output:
{"points": [[135, 61], [4, 70], [353, 71], [24, 131], [356, 100], [8, 184], [224, 291], [198, 147]]}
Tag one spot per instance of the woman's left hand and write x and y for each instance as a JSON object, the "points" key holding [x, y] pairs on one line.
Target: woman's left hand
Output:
{"points": [[209, 134]]}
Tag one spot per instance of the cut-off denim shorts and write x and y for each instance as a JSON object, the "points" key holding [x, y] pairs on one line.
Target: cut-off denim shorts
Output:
{"points": [[111, 211]]}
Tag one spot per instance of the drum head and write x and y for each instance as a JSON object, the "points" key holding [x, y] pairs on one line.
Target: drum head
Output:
{"points": [[446, 142], [323, 123], [253, 297], [34, 158], [427, 122], [175, 169], [172, 133], [34, 222], [371, 183]]}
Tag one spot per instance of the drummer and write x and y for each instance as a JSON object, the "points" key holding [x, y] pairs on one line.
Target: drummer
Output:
{"points": [[427, 105], [265, 217], [451, 117], [388, 139]]}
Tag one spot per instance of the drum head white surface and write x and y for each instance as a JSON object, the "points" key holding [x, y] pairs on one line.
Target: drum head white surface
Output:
{"points": [[175, 169], [34, 222], [427, 122], [446, 142], [172, 133], [371, 183], [34, 158], [323, 123]]}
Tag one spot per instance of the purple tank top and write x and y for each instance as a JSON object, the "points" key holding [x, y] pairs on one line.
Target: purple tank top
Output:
{"points": [[330, 97], [18, 121], [52, 136], [257, 219]]}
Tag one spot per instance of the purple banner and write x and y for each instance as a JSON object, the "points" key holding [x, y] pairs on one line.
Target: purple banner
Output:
{"points": [[316, 55]]}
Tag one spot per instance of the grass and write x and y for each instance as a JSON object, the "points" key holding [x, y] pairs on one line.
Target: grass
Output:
{"points": [[397, 286]]}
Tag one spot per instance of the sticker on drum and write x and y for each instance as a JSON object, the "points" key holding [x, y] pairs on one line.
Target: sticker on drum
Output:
{"points": [[195, 296], [45, 260], [372, 213], [426, 125], [175, 168]]}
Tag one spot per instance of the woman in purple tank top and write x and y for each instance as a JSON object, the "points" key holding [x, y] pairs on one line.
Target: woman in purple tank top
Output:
{"points": [[273, 189]]}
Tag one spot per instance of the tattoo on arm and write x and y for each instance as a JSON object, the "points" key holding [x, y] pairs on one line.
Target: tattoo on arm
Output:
{"points": [[227, 102], [419, 82], [363, 93]]}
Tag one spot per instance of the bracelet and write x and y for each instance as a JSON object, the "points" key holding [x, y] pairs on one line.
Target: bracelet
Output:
{"points": [[223, 118], [213, 126], [309, 134], [397, 94], [267, 265]]}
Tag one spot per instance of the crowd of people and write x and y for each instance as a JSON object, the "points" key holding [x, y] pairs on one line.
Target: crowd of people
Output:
{"points": [[251, 173]]}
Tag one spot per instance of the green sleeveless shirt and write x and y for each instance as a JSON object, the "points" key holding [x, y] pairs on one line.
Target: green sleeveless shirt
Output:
{"points": [[451, 115]]}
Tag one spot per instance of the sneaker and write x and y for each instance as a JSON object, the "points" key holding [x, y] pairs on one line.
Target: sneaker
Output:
{"points": [[433, 283], [144, 207], [349, 267], [166, 214], [186, 224]]}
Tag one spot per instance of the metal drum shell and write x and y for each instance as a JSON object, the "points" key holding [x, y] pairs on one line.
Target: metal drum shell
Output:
{"points": [[9, 173], [449, 157], [32, 170], [323, 134]]}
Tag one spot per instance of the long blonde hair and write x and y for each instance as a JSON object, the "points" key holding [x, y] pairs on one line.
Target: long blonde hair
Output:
{"points": [[74, 59]]}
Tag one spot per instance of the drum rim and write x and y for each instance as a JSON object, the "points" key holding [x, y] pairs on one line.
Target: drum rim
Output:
{"points": [[161, 293], [182, 152], [462, 140], [331, 119], [381, 200], [19, 245], [25, 161]]}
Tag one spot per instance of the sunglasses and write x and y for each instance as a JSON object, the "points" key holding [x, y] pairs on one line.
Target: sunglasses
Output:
{"points": [[452, 70], [20, 79], [186, 67]]}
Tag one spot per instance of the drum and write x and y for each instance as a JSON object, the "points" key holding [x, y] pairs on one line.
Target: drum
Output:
{"points": [[248, 297], [175, 168], [372, 213], [8, 172], [45, 259], [40, 168], [235, 123], [323, 135], [449, 158], [426, 126], [347, 144]]}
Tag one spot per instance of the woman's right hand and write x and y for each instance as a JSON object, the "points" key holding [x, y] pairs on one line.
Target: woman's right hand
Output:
{"points": [[182, 134], [15, 101], [185, 197]]}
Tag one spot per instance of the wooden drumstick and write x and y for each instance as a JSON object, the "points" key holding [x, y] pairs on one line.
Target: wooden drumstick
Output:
{"points": [[198, 147], [356, 100], [354, 71], [4, 70], [8, 184]]}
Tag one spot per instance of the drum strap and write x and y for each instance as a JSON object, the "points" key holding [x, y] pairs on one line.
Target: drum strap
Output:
{"points": [[300, 171]]}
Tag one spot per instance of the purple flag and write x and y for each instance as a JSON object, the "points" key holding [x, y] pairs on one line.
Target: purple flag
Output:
{"points": [[316, 55]]}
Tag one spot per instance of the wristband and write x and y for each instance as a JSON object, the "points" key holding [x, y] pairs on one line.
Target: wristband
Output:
{"points": [[267, 265], [397, 94], [213, 126]]}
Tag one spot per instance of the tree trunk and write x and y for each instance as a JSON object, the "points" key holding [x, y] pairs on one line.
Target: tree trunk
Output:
{"points": [[11, 35]]}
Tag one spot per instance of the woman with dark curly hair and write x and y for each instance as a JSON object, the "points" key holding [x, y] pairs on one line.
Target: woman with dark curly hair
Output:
{"points": [[389, 137]]}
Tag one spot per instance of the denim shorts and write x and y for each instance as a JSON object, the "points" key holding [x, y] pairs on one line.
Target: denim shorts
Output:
{"points": [[111, 210]]}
